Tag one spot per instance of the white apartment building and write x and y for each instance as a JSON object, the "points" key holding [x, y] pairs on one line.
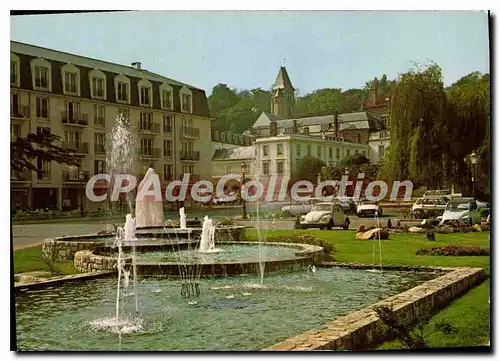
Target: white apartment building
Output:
{"points": [[78, 99]]}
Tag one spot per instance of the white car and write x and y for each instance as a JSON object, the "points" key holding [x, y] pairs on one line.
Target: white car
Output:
{"points": [[429, 206], [324, 215], [461, 210], [367, 207]]}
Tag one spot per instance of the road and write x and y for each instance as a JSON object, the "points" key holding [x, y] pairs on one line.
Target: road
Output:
{"points": [[31, 234]]}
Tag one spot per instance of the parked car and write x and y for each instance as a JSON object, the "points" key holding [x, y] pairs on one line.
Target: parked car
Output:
{"points": [[367, 207], [427, 207], [324, 215], [299, 208], [348, 205], [462, 211]]}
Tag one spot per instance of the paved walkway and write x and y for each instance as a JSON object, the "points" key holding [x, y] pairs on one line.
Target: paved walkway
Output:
{"points": [[27, 235]]}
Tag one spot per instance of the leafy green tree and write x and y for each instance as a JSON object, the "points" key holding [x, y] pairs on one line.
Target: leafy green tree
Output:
{"points": [[23, 151], [418, 104], [308, 169], [355, 164], [469, 117]]}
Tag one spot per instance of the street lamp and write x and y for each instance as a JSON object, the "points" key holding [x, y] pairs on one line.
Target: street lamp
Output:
{"points": [[81, 176], [244, 209], [473, 160]]}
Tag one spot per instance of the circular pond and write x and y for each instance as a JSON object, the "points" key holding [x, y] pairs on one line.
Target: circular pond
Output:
{"points": [[222, 253]]}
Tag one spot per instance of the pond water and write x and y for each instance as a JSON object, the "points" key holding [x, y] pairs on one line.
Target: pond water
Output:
{"points": [[223, 253], [232, 313]]}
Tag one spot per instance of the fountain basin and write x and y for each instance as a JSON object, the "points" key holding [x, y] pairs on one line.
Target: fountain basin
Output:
{"points": [[66, 247], [156, 259], [234, 313]]}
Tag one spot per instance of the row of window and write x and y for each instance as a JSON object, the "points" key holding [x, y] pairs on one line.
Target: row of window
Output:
{"points": [[44, 170], [71, 85], [73, 113], [319, 149]]}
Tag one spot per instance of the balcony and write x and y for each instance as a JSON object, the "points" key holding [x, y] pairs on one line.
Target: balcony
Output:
{"points": [[193, 156], [22, 112], [79, 119], [99, 148], [99, 122], [76, 147], [153, 128], [73, 175], [150, 153], [20, 176], [190, 132], [167, 153]]}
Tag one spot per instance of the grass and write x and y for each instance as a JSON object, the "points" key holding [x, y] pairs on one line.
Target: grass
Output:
{"points": [[26, 260], [470, 314]]}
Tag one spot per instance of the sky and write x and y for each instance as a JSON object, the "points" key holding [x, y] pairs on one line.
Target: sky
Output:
{"points": [[244, 49]]}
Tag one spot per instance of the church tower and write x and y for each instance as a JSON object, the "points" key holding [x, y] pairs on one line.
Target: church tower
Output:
{"points": [[283, 98]]}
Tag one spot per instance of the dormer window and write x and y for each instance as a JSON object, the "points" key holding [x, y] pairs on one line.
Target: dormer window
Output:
{"points": [[166, 99], [40, 74], [122, 89], [70, 82], [186, 103], [41, 77], [13, 73], [186, 100], [166, 92], [98, 87], [71, 79], [97, 84], [145, 89], [145, 95]]}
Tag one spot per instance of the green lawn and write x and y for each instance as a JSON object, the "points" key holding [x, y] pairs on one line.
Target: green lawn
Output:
{"points": [[26, 260], [470, 314]]}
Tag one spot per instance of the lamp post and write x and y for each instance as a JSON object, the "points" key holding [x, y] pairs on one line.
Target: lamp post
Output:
{"points": [[244, 208], [346, 171], [81, 176], [473, 160]]}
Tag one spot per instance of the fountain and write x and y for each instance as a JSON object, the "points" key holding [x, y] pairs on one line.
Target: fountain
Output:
{"points": [[377, 220], [149, 211], [207, 241], [182, 218]]}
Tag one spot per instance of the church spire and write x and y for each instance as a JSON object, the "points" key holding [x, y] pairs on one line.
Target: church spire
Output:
{"points": [[283, 95], [283, 80]]}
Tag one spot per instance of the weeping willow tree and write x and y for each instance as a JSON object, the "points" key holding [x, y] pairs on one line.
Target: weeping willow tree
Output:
{"points": [[419, 130]]}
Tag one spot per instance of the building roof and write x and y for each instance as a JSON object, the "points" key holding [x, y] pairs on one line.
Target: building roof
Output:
{"points": [[265, 118], [359, 120], [56, 55], [283, 80], [234, 153], [307, 137]]}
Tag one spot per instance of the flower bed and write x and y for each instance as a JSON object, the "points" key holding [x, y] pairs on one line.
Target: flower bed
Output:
{"points": [[454, 251]]}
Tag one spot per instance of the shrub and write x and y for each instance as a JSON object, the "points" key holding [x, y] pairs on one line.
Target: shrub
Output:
{"points": [[412, 336], [454, 251]]}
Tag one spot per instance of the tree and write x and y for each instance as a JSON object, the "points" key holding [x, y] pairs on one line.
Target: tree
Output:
{"points": [[469, 117], [355, 164], [418, 104], [308, 169], [37, 146]]}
